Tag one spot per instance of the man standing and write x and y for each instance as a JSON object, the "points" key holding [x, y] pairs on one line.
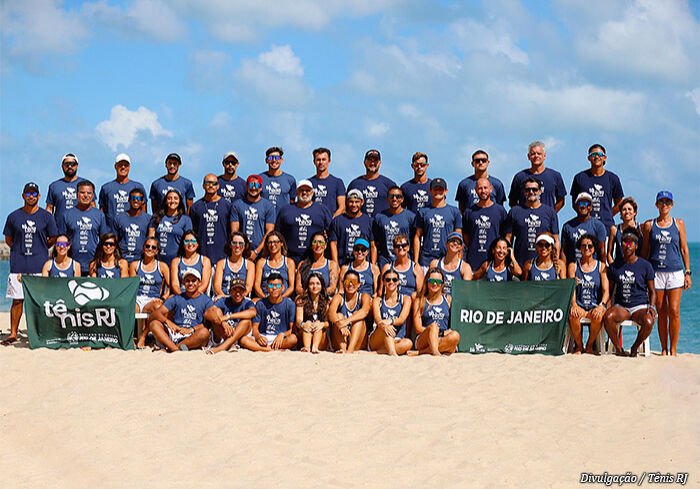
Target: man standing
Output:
{"points": [[483, 223], [253, 215], [114, 195], [328, 189], [132, 226], [467, 195], [390, 223], [603, 186], [277, 187], [29, 232], [171, 181], [299, 221], [582, 224], [552, 185], [231, 186], [63, 193], [84, 224], [527, 222], [348, 227], [374, 187], [211, 218], [417, 190], [433, 224]]}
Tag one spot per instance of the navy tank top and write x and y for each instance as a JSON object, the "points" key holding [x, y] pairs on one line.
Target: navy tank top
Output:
{"points": [[54, 271], [108, 272], [407, 279], [539, 275], [182, 266], [324, 271], [282, 270], [393, 313], [230, 273], [346, 311], [366, 278], [665, 248], [588, 289], [494, 276], [150, 283], [450, 277], [437, 313]]}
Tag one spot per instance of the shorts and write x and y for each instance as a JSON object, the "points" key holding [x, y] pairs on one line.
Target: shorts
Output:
{"points": [[634, 309], [669, 280], [143, 300], [14, 286], [178, 337]]}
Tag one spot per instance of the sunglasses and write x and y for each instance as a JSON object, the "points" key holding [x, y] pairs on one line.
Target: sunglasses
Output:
{"points": [[237, 243], [360, 249], [350, 282], [318, 242], [531, 190], [664, 202], [587, 246], [542, 244], [211, 184], [109, 243], [31, 194], [230, 162], [395, 196], [629, 243], [455, 241], [400, 246], [391, 279], [70, 163], [273, 158], [419, 164], [596, 154], [274, 286], [137, 198], [150, 247], [62, 244], [190, 241], [480, 160], [435, 281], [584, 204], [254, 185], [274, 242]]}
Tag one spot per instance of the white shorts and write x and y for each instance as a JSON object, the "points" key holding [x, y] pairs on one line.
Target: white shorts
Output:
{"points": [[14, 286], [634, 309], [178, 337], [142, 301], [669, 280]]}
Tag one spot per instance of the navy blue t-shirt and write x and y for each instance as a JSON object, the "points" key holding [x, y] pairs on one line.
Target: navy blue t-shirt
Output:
{"points": [[132, 232], [573, 229], [211, 221], [552, 187], [387, 226], [327, 190], [274, 318], [604, 190], [227, 305], [280, 190], [62, 196], [631, 282], [482, 225], [297, 225], [375, 192], [161, 186], [231, 189], [437, 223], [345, 230], [84, 229], [169, 234], [29, 233], [416, 195], [252, 217], [466, 192], [526, 224], [188, 311], [114, 200]]}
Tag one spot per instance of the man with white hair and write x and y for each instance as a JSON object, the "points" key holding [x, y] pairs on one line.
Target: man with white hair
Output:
{"points": [[552, 188], [114, 195]]}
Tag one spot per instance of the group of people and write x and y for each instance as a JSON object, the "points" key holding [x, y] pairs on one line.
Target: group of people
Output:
{"points": [[271, 263]]}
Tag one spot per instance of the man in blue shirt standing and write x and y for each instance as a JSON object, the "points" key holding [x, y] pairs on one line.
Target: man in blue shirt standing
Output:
{"points": [[582, 224], [277, 186], [29, 232], [553, 189], [373, 186], [417, 190], [483, 223], [466, 191], [171, 181], [231, 186], [211, 220], [132, 226], [433, 224], [114, 195], [63, 193], [328, 189], [390, 223], [253, 215]]}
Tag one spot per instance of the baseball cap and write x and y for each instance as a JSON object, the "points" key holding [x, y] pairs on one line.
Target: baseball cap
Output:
{"points": [[584, 196], [192, 271], [438, 182], [373, 153], [122, 157], [361, 242], [305, 183], [455, 234], [356, 194], [254, 178], [664, 194], [237, 282], [69, 155], [174, 156], [31, 187], [546, 238], [230, 153]]}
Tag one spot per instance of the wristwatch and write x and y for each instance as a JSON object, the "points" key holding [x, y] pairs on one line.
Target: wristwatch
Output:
{"points": [[688, 273]]}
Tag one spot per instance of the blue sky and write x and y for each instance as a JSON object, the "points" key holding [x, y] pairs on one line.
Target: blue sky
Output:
{"points": [[202, 77]]}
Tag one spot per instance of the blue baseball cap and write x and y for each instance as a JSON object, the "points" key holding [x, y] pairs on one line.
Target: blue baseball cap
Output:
{"points": [[664, 194], [454, 235], [361, 242]]}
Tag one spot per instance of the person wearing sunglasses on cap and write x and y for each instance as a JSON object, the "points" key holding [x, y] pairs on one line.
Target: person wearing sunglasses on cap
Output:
{"points": [[211, 220], [602, 185], [253, 215], [390, 223], [467, 196], [666, 248], [372, 184], [172, 180], [277, 186], [108, 261], [632, 279], [545, 265], [231, 186], [132, 226], [431, 317], [63, 193], [416, 191], [583, 223], [29, 232], [114, 196], [273, 324], [553, 189], [483, 222], [329, 190], [347, 314]]}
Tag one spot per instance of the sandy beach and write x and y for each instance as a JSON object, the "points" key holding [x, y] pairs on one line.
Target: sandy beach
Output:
{"points": [[135, 419]]}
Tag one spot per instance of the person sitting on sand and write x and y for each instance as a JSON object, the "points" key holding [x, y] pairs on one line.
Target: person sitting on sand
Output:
{"points": [[61, 263], [347, 313], [431, 316], [391, 311], [235, 314], [635, 295], [312, 314], [274, 319], [154, 282], [178, 324]]}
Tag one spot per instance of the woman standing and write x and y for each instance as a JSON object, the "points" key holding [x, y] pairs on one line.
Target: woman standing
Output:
{"points": [[315, 261], [188, 257], [273, 259], [431, 317], [368, 272], [452, 264], [347, 313], [169, 224], [108, 261], [591, 294], [628, 213], [236, 265], [391, 311], [312, 314], [500, 265], [666, 248], [545, 266], [61, 263], [154, 283]]}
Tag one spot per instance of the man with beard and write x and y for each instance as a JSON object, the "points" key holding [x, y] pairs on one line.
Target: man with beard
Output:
{"points": [[390, 223], [253, 215], [349, 226], [231, 186], [114, 195], [63, 193], [211, 218], [277, 186], [467, 195], [374, 187]]}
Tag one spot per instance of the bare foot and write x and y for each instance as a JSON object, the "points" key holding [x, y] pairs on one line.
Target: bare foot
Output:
{"points": [[412, 353], [633, 352], [304, 349], [315, 351], [622, 353], [576, 352], [340, 352]]}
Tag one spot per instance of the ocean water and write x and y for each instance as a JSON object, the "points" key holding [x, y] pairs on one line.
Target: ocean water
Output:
{"points": [[688, 342]]}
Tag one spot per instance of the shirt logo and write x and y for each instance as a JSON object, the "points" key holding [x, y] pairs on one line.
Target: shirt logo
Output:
{"points": [[533, 221], [29, 226], [303, 220]]}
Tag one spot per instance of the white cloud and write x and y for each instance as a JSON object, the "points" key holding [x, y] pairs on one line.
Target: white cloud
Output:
{"points": [[496, 40], [152, 18], [694, 95], [123, 126], [221, 120], [377, 129], [282, 60]]}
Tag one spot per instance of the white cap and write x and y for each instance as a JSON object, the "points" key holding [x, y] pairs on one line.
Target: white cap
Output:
{"points": [[355, 193], [305, 183], [122, 157], [584, 196], [192, 271], [69, 155], [546, 238], [231, 153]]}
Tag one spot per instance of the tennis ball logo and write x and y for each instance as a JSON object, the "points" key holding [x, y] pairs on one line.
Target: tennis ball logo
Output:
{"points": [[86, 292]]}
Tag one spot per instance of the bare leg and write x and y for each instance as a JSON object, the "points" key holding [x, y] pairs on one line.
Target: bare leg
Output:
{"points": [[198, 339], [306, 338], [614, 316], [160, 331], [289, 342], [15, 317], [339, 341], [147, 309], [593, 332], [379, 342], [448, 343], [575, 327], [316, 340], [428, 341], [662, 320], [402, 345], [249, 343], [358, 337], [674, 317], [242, 329], [647, 324]]}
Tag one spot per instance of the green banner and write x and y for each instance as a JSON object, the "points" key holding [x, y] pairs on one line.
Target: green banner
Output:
{"points": [[511, 317], [79, 312]]}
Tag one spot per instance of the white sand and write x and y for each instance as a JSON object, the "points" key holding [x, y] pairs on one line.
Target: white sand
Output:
{"points": [[137, 419]]}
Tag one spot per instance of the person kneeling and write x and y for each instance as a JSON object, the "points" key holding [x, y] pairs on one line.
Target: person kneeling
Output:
{"points": [[234, 318], [178, 324], [273, 321]]}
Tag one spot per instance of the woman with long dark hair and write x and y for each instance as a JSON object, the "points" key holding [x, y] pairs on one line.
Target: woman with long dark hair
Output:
{"points": [[108, 261], [237, 264], [188, 257], [501, 265], [61, 263], [390, 311], [312, 314], [273, 259], [315, 261], [169, 224]]}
